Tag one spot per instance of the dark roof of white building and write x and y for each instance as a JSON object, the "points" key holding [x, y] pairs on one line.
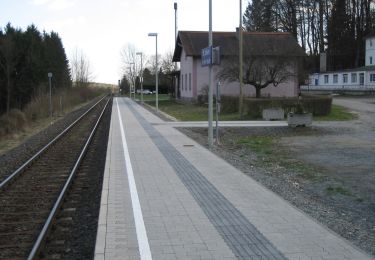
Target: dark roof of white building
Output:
{"points": [[255, 43]]}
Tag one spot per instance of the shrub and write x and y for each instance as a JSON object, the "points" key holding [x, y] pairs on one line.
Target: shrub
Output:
{"points": [[202, 99], [229, 104], [12, 123], [317, 105]]}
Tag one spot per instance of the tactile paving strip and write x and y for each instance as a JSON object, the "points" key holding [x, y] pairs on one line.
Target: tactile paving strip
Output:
{"points": [[240, 235]]}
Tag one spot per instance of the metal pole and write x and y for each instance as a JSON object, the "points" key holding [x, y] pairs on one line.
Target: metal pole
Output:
{"points": [[175, 39], [50, 95], [210, 96], [218, 101], [141, 78], [156, 72], [156, 77], [241, 63]]}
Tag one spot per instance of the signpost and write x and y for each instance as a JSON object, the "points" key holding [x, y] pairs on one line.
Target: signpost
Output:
{"points": [[218, 103], [210, 56], [206, 56]]}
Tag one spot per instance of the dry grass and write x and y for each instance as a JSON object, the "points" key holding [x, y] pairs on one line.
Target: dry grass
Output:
{"points": [[19, 125]]}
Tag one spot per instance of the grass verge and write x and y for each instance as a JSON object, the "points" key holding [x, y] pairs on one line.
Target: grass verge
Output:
{"points": [[338, 113], [193, 112], [270, 155]]}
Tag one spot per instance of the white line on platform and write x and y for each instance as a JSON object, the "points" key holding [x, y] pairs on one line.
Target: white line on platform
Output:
{"points": [[144, 248]]}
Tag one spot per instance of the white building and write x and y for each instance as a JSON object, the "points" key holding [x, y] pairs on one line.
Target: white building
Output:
{"points": [[359, 79]]}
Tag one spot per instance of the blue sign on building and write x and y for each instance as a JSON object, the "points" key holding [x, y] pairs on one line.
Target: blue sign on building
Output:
{"points": [[206, 55]]}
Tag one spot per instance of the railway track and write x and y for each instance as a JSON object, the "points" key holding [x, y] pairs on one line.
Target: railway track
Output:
{"points": [[31, 197]]}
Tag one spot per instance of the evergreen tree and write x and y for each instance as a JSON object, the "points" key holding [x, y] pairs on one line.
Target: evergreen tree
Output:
{"points": [[260, 16], [25, 59], [341, 38]]}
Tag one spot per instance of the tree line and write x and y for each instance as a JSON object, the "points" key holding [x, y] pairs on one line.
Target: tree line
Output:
{"points": [[337, 27], [26, 57]]}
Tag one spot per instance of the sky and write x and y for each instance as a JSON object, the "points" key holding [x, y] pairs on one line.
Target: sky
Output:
{"points": [[101, 28]]}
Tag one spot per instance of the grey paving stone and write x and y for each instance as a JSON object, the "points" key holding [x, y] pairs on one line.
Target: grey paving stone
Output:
{"points": [[222, 214]]}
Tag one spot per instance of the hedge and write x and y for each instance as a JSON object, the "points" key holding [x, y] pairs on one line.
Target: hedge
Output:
{"points": [[318, 105]]}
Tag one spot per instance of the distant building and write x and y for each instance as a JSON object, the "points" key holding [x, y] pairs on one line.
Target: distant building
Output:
{"points": [[193, 77], [358, 79]]}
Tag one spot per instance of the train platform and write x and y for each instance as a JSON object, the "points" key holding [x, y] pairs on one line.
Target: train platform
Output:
{"points": [[166, 197]]}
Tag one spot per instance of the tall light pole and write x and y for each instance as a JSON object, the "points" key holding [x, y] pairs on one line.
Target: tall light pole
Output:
{"points": [[50, 94], [141, 76], [175, 39], [210, 95], [175, 21], [132, 80], [156, 71], [240, 108]]}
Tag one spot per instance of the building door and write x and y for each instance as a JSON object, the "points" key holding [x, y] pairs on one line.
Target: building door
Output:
{"points": [[361, 79]]}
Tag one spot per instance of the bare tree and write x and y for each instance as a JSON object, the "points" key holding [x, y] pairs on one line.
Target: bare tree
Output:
{"points": [[80, 68], [131, 64], [260, 70]]}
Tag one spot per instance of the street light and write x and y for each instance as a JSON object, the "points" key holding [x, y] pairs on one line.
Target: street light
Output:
{"points": [[210, 94], [50, 94], [175, 39], [241, 62], [141, 77], [131, 80], [157, 71]]}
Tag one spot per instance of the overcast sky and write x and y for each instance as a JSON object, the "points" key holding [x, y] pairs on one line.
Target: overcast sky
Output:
{"points": [[102, 27]]}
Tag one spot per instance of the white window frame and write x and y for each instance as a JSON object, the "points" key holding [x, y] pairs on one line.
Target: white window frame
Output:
{"points": [[326, 79], [353, 77], [182, 81], [190, 81], [372, 77], [345, 78], [186, 86], [335, 78]]}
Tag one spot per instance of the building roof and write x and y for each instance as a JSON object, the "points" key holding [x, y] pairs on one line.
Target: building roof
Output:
{"points": [[255, 43], [359, 69]]}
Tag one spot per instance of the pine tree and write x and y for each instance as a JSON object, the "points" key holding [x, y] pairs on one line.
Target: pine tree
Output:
{"points": [[260, 16], [341, 38]]}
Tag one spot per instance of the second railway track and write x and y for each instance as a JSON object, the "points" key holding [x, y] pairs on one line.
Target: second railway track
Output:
{"points": [[27, 200]]}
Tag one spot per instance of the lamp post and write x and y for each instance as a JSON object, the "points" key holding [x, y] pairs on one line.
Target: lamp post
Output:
{"points": [[210, 95], [131, 80], [156, 72], [141, 76], [50, 94], [175, 39], [241, 62]]}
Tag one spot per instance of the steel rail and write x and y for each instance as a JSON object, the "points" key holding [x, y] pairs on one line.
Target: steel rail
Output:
{"points": [[43, 234], [36, 155]]}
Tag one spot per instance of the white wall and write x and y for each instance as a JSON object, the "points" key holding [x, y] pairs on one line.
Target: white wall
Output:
{"points": [[340, 83]]}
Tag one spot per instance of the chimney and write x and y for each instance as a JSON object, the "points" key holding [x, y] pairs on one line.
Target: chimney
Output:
{"points": [[323, 62]]}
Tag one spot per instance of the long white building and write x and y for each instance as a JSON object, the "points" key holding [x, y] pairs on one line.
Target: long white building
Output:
{"points": [[359, 79]]}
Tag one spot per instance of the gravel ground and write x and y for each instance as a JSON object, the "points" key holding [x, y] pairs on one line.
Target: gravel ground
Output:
{"points": [[327, 171]]}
